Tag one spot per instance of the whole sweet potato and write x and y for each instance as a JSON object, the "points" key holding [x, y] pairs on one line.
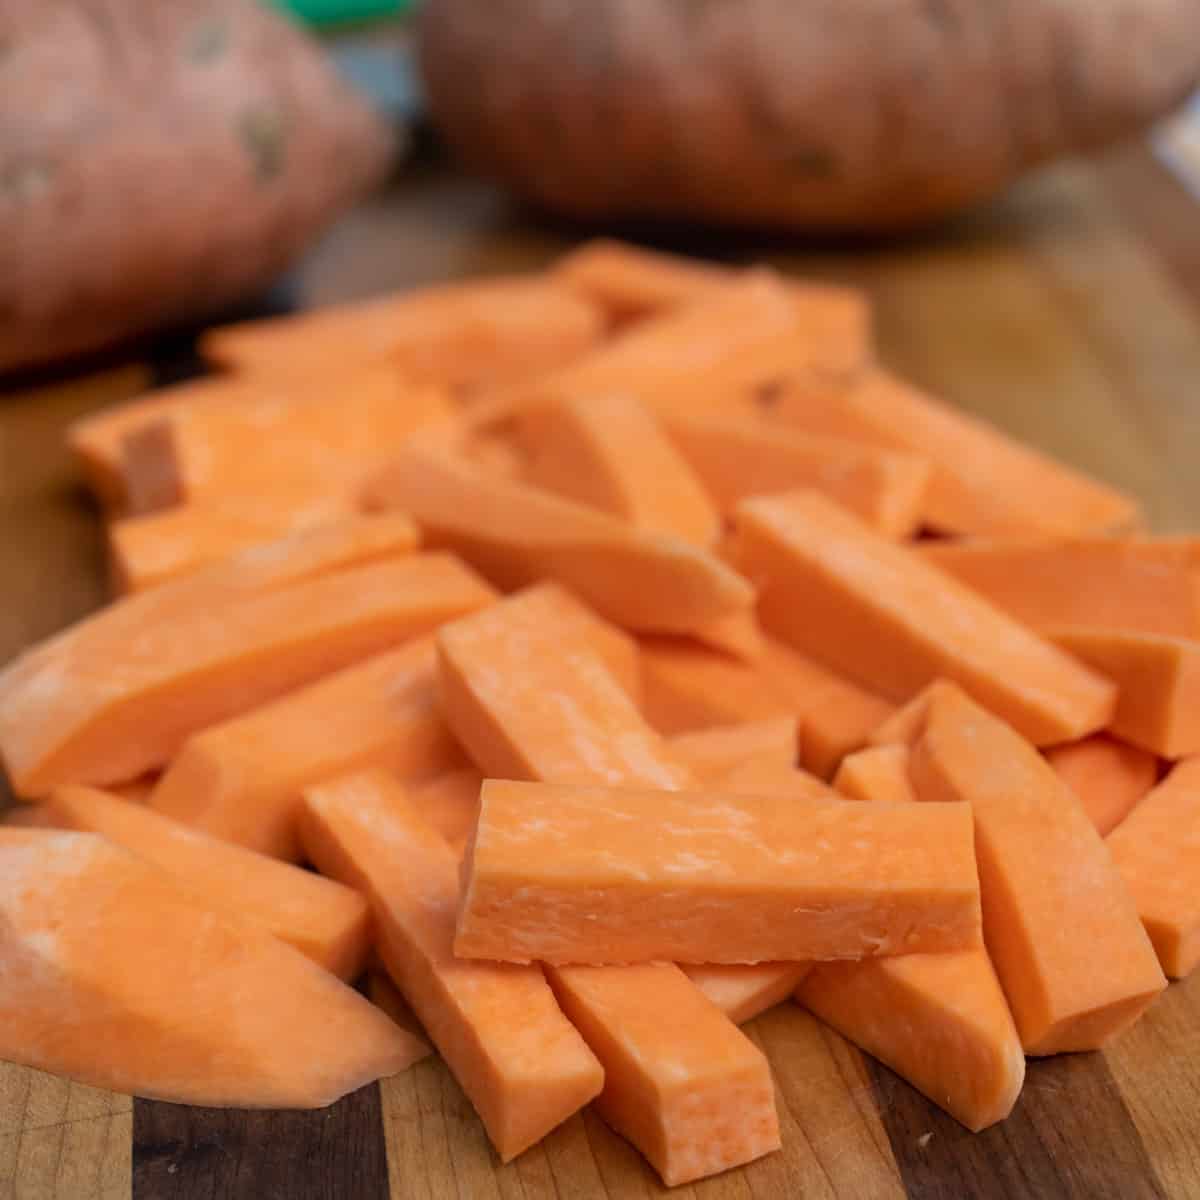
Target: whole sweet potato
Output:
{"points": [[798, 114], [158, 160]]}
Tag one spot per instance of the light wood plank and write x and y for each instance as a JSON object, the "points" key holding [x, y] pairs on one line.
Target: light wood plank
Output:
{"points": [[61, 1140], [1157, 1067]]}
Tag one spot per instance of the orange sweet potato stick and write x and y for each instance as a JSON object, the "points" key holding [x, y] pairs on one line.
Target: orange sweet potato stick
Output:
{"points": [[739, 636], [158, 547], [97, 440], [516, 534], [384, 994], [743, 993], [938, 1020], [1158, 681], [607, 451], [759, 777], [630, 283], [533, 701], [322, 919], [1054, 904], [828, 352], [450, 805], [1157, 851], [1108, 777], [120, 693], [687, 687], [122, 981], [1083, 583], [559, 608], [571, 874], [904, 725], [477, 334], [654, 359], [518, 1059], [691, 1092], [351, 542], [529, 698], [241, 780], [310, 448], [836, 715], [984, 483], [893, 623], [712, 753], [877, 773], [739, 457]]}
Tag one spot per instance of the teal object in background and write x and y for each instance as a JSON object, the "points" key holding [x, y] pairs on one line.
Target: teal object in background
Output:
{"points": [[343, 12]]}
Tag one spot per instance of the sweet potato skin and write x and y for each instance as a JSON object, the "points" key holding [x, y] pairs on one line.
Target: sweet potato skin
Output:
{"points": [[827, 114], [159, 162]]}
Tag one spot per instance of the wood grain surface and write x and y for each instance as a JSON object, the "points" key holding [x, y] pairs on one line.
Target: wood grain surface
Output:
{"points": [[1068, 315]]}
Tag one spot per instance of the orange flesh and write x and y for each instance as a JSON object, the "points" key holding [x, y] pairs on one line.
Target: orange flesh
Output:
{"points": [[118, 695], [530, 699], [984, 483], [631, 283], [115, 977], [478, 334], [241, 780], [1100, 583], [1108, 777], [878, 773], [592, 875], [1054, 904], [546, 720], [891, 622], [608, 452], [384, 994], [686, 687], [1158, 681], [739, 457], [938, 1020], [450, 803], [321, 445], [712, 753], [158, 547], [516, 534], [97, 440], [743, 993], [523, 1066], [688, 1089], [322, 919], [1157, 851]]}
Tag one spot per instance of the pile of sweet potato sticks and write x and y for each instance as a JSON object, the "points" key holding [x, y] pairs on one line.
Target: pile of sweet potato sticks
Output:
{"points": [[629, 652]]}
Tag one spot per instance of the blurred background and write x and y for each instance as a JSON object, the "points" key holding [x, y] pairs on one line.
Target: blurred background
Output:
{"points": [[218, 158]]}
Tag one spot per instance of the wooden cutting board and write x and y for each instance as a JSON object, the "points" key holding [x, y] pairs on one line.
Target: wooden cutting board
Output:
{"points": [[1068, 315]]}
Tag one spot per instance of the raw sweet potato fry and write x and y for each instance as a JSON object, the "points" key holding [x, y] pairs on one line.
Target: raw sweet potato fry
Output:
{"points": [[497, 1026], [322, 919], [1054, 904], [1108, 776], [607, 451], [241, 780], [1094, 583], [892, 622], [1157, 850], [516, 534]]}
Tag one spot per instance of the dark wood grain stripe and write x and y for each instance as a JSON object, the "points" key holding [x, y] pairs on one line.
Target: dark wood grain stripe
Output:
{"points": [[1069, 1136], [182, 1153]]}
